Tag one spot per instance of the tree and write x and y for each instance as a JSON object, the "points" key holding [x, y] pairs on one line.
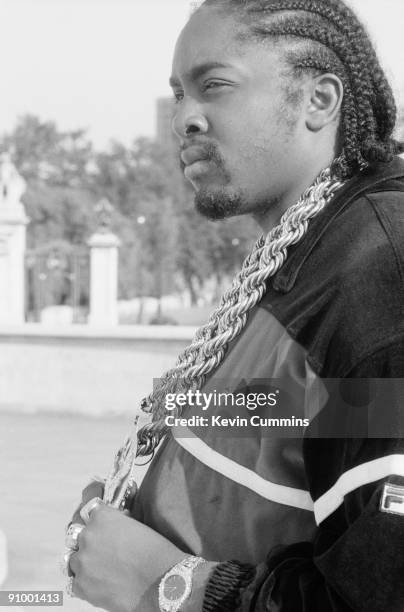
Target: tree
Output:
{"points": [[172, 248], [42, 152], [56, 213]]}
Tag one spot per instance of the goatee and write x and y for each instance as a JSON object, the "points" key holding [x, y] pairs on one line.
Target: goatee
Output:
{"points": [[218, 204]]}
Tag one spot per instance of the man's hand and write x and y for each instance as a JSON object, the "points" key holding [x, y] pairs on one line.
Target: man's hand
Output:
{"points": [[120, 562]]}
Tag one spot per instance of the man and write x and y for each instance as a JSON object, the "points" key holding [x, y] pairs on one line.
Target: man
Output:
{"points": [[283, 113]]}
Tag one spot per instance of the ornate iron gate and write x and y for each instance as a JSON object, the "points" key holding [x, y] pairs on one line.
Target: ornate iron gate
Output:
{"points": [[57, 275]]}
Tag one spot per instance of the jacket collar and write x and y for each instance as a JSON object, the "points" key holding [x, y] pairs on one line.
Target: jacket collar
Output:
{"points": [[366, 181]]}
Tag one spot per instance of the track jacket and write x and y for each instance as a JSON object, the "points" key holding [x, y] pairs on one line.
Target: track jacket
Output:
{"points": [[307, 518]]}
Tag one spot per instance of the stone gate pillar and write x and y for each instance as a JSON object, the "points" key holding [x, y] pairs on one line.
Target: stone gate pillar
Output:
{"points": [[13, 222], [3, 557], [104, 247]]}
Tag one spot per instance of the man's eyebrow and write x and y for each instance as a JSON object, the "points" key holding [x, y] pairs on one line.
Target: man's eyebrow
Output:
{"points": [[197, 71]]}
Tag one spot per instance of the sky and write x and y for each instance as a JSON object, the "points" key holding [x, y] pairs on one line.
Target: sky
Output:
{"points": [[101, 64]]}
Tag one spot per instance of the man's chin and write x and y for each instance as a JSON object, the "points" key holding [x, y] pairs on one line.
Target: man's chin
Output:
{"points": [[215, 204]]}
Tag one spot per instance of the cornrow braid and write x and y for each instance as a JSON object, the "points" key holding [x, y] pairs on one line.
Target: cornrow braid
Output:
{"points": [[358, 111], [343, 164], [211, 341], [327, 36], [342, 18]]}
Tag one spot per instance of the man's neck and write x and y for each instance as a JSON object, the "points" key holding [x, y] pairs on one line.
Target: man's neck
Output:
{"points": [[271, 217]]}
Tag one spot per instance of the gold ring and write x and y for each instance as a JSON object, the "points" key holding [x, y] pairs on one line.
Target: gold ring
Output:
{"points": [[89, 507]]}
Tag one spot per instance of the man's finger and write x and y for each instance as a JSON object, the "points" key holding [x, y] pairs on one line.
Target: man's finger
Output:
{"points": [[94, 489], [74, 563], [90, 507]]}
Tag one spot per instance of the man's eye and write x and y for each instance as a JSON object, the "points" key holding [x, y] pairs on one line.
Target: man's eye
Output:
{"points": [[213, 85], [178, 96]]}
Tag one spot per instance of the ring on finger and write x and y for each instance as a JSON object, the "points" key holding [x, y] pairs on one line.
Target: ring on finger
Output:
{"points": [[73, 532], [89, 507], [66, 563], [69, 587]]}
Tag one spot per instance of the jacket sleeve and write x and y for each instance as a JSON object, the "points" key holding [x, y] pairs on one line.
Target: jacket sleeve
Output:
{"points": [[356, 561]]}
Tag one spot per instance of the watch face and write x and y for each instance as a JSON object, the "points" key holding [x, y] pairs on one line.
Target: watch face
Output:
{"points": [[174, 587]]}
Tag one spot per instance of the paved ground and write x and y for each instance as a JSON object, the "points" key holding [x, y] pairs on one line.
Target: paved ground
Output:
{"points": [[45, 462]]}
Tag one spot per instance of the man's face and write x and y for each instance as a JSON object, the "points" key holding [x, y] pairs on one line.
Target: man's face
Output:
{"points": [[240, 137]]}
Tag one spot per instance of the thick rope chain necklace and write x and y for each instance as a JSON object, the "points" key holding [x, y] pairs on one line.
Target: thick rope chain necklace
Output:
{"points": [[209, 345]]}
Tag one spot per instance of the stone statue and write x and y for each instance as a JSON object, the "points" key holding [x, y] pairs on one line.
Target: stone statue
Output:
{"points": [[103, 210], [12, 185], [13, 221]]}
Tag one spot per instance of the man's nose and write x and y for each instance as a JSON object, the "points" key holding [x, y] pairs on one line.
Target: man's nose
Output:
{"points": [[189, 121]]}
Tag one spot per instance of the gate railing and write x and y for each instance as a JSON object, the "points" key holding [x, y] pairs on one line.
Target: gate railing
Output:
{"points": [[57, 275]]}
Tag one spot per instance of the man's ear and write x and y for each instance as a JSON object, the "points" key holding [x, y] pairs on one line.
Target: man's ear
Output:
{"points": [[326, 95]]}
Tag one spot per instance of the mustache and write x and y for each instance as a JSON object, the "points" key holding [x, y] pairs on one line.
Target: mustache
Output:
{"points": [[210, 153]]}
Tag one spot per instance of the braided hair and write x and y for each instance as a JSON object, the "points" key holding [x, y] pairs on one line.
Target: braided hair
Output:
{"points": [[326, 36]]}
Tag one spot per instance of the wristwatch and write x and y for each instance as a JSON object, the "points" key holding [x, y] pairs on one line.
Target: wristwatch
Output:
{"points": [[175, 587]]}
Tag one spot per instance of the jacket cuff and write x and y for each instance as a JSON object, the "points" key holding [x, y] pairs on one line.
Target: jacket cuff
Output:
{"points": [[225, 585]]}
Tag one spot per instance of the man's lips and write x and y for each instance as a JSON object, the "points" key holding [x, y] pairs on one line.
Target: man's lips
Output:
{"points": [[193, 154]]}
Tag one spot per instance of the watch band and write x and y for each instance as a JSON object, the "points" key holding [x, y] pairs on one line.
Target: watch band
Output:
{"points": [[176, 585]]}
